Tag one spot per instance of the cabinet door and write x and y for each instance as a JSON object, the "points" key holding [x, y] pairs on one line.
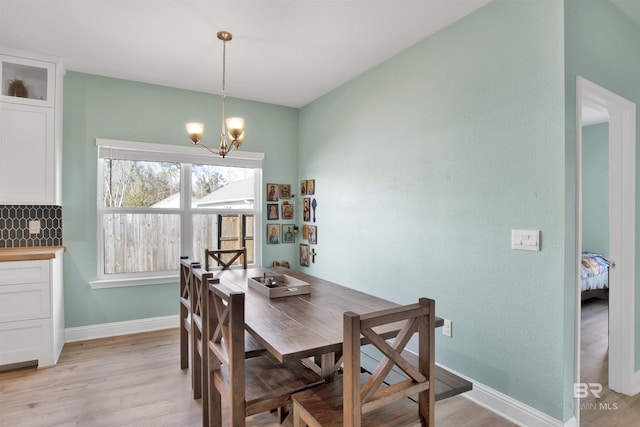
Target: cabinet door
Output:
{"points": [[25, 290], [26, 154], [37, 77], [25, 341]]}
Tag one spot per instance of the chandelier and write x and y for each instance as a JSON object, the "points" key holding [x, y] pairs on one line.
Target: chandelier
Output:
{"points": [[233, 127]]}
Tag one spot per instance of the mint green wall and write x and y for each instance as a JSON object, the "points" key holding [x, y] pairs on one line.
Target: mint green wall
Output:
{"points": [[425, 164], [602, 46], [595, 188], [98, 107]]}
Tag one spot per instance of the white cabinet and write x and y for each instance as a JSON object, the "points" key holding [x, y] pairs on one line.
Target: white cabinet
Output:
{"points": [[30, 131], [31, 312], [28, 81], [26, 154]]}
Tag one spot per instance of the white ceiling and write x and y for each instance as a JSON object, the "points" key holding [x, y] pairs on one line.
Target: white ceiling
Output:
{"points": [[286, 52]]}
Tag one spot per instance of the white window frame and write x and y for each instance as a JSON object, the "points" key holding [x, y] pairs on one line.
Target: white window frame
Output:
{"points": [[186, 156]]}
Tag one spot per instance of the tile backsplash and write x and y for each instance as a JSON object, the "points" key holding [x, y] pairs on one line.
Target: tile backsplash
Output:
{"points": [[15, 221]]}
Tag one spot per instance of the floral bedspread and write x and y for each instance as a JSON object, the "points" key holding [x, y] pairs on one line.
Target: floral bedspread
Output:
{"points": [[593, 264]]}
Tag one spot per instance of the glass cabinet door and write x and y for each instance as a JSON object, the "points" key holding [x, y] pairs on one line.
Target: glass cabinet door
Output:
{"points": [[27, 82]]}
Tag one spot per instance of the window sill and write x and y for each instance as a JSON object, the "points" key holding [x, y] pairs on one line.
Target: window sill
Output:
{"points": [[134, 281]]}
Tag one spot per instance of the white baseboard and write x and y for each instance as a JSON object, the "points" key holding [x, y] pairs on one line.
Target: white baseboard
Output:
{"points": [[636, 382], [113, 329], [509, 408]]}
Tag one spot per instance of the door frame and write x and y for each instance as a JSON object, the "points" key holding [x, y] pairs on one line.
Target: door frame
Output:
{"points": [[622, 195]]}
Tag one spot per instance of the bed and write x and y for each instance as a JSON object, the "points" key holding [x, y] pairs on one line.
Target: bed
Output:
{"points": [[594, 276]]}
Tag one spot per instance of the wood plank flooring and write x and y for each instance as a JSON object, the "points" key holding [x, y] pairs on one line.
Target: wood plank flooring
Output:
{"points": [[611, 409], [135, 380]]}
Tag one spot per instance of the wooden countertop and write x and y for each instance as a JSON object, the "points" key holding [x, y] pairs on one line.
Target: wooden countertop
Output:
{"points": [[29, 254]]}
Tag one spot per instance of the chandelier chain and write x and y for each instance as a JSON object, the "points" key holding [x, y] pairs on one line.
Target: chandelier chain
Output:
{"points": [[224, 76], [224, 65]]}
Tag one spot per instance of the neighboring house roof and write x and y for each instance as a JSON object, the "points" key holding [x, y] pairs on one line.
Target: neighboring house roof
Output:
{"points": [[173, 201], [234, 194]]}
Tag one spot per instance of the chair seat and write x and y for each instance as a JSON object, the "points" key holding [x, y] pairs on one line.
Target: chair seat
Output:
{"points": [[268, 380], [325, 404]]}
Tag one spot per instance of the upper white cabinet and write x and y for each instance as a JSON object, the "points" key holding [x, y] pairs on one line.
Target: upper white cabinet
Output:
{"points": [[26, 154], [30, 130], [28, 82]]}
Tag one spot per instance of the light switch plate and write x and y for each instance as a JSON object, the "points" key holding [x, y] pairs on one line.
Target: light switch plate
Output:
{"points": [[525, 240]]}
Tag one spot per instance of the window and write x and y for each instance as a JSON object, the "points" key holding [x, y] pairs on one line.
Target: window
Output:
{"points": [[159, 202], [140, 230], [216, 190]]}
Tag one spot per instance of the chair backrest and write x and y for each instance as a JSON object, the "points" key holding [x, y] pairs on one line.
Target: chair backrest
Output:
{"points": [[199, 279], [225, 257], [226, 344], [186, 266], [374, 393]]}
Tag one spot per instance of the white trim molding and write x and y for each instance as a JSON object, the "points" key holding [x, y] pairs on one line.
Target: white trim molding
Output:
{"points": [[105, 330], [622, 224], [136, 150], [510, 408], [133, 281], [636, 382]]}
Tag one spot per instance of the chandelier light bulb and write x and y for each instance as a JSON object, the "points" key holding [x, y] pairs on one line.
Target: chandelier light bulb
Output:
{"points": [[235, 127], [195, 131]]}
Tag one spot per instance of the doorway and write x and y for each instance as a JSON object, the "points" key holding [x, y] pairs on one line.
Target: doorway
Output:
{"points": [[622, 175]]}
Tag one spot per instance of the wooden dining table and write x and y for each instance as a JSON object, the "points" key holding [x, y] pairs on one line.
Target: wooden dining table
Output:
{"points": [[305, 327]]}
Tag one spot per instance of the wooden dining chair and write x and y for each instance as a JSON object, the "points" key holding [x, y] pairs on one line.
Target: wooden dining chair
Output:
{"points": [[192, 283], [186, 265], [225, 257], [250, 386], [221, 256], [355, 401], [199, 280]]}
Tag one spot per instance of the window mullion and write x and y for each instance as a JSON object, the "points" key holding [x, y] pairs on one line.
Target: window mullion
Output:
{"points": [[186, 203]]}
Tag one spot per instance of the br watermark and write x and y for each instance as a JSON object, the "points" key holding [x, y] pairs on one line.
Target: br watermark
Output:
{"points": [[583, 390], [588, 390]]}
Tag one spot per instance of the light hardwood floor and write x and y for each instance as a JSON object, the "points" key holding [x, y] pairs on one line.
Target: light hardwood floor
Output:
{"points": [[135, 380], [611, 409]]}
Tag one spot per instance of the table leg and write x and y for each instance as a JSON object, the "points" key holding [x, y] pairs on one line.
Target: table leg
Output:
{"points": [[327, 366], [324, 365]]}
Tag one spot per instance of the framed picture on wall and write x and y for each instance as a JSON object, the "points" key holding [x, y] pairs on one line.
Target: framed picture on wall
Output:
{"points": [[311, 186], [288, 235], [287, 211], [304, 255], [306, 209], [273, 234], [272, 211], [303, 187], [313, 236], [285, 191], [272, 192], [305, 232]]}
